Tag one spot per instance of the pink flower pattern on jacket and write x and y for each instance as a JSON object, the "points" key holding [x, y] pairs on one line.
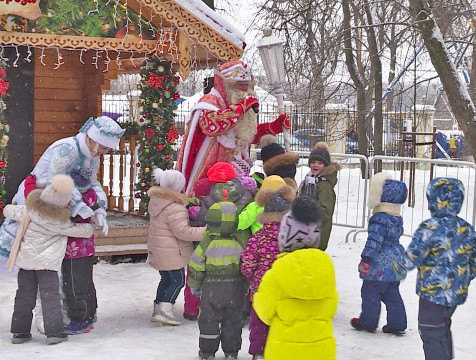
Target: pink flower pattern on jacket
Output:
{"points": [[82, 247], [260, 254]]}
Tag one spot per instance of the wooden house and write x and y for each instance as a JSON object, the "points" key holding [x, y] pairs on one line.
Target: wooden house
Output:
{"points": [[63, 54]]}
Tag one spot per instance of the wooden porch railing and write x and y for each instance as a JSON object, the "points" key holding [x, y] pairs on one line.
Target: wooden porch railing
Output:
{"points": [[117, 174]]}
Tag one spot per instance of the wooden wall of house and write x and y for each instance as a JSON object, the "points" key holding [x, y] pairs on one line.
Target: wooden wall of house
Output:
{"points": [[66, 97], [19, 115]]}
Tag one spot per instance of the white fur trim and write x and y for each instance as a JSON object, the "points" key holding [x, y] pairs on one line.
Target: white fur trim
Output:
{"points": [[237, 72], [106, 132], [388, 208], [376, 188], [63, 184]]}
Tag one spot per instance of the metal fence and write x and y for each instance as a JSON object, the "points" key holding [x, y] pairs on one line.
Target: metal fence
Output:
{"points": [[417, 174], [351, 189]]}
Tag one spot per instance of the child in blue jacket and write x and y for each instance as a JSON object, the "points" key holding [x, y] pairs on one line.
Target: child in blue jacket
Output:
{"points": [[381, 250], [444, 250]]}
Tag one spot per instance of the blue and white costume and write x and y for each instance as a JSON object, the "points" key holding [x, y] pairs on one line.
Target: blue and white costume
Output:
{"points": [[64, 157]]}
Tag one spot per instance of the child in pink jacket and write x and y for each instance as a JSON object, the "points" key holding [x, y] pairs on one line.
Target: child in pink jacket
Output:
{"points": [[261, 252], [170, 240]]}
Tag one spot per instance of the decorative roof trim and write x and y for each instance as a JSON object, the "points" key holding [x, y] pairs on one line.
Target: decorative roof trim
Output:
{"points": [[78, 42], [195, 28]]}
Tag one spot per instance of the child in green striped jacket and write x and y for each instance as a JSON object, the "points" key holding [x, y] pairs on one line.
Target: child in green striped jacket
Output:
{"points": [[215, 276]]}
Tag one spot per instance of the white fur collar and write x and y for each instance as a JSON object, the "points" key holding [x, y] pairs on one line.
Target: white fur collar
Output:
{"points": [[388, 208], [82, 145]]}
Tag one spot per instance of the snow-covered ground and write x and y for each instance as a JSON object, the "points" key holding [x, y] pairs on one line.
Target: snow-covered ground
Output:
{"points": [[126, 292], [123, 330]]}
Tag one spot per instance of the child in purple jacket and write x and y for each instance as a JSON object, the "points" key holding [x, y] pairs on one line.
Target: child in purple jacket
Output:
{"points": [[77, 269], [261, 252]]}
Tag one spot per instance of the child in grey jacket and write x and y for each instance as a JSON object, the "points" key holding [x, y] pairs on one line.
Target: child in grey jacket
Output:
{"points": [[38, 251]]}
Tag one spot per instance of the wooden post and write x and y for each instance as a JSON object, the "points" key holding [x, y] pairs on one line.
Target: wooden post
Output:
{"points": [[132, 149], [111, 200], [433, 145], [120, 204]]}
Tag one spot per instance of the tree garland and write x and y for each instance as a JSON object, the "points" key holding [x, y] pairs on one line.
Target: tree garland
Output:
{"points": [[4, 130], [156, 133]]}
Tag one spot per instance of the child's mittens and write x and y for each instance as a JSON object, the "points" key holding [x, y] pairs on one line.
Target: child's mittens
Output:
{"points": [[364, 268], [193, 212], [30, 184], [193, 201]]}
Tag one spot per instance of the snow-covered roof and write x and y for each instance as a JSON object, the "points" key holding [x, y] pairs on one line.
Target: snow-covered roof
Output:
{"points": [[214, 20], [421, 107], [336, 107]]}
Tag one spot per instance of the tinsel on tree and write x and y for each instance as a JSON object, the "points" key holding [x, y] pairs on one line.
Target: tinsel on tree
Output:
{"points": [[4, 130], [156, 133]]}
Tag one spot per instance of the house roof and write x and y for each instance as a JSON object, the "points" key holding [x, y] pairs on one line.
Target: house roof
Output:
{"points": [[188, 32]]}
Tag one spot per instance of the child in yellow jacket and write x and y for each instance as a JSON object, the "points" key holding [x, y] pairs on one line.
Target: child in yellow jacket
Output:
{"points": [[297, 297]]}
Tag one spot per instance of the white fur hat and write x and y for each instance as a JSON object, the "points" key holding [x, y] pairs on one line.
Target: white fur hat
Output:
{"points": [[59, 192], [169, 179], [103, 130], [376, 188]]}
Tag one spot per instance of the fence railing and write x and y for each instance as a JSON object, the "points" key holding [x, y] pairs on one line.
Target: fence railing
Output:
{"points": [[351, 188], [118, 174], [415, 172]]}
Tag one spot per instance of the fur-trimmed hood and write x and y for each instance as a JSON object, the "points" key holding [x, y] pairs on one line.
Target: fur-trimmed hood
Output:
{"points": [[276, 203], [333, 167], [330, 172], [384, 190], [34, 203], [174, 196], [271, 166], [265, 217]]}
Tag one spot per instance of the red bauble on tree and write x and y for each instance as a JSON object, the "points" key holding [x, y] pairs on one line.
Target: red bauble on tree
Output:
{"points": [[149, 132], [172, 135]]}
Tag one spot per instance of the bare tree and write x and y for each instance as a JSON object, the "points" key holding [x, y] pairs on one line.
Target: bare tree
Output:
{"points": [[311, 31], [460, 102], [354, 73]]}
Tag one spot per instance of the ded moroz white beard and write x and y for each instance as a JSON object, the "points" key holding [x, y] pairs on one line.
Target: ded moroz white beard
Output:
{"points": [[245, 128]]}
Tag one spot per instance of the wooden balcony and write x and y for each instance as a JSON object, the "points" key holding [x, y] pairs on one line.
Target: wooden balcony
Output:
{"points": [[127, 228]]}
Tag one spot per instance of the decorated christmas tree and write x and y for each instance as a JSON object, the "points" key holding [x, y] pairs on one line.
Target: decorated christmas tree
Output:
{"points": [[156, 133], [4, 130]]}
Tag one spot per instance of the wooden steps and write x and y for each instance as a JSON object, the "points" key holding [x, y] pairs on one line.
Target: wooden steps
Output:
{"points": [[127, 235]]}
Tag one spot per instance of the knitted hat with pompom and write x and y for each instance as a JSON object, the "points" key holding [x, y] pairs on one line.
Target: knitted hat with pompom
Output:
{"points": [[276, 161], [59, 192], [320, 153], [300, 227]]}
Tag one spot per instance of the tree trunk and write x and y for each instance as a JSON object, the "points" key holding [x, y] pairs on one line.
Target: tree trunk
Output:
{"points": [[377, 72], [392, 46], [356, 78], [472, 77], [458, 97]]}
